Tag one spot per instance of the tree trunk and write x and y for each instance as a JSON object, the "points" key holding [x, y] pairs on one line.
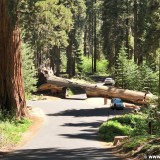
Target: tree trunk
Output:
{"points": [[95, 41], [92, 90], [85, 41], [71, 55], [135, 33], [127, 32], [159, 86], [12, 95]]}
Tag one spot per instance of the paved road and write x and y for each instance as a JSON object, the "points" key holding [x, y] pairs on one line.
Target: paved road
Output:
{"points": [[68, 132]]}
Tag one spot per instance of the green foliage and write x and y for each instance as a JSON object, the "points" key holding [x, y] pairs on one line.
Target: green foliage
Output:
{"points": [[87, 65], [55, 21], [134, 143], [29, 71], [114, 15], [142, 145], [74, 49], [79, 61], [153, 112], [109, 129], [131, 76], [131, 125], [63, 61], [147, 78], [101, 66], [124, 19], [11, 130], [120, 68]]}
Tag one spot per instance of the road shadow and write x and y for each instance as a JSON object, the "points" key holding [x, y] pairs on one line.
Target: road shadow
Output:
{"points": [[90, 133], [62, 154], [89, 124], [92, 112], [87, 134], [72, 98]]}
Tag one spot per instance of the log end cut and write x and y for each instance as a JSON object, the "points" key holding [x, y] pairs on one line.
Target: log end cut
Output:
{"points": [[119, 139]]}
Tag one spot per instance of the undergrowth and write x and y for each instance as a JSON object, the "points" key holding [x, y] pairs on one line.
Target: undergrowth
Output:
{"points": [[11, 130]]}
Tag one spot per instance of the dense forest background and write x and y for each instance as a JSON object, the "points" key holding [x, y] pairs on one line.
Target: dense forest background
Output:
{"points": [[106, 37]]}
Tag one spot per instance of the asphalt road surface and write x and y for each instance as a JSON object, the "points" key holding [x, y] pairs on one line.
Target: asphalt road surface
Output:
{"points": [[69, 132]]}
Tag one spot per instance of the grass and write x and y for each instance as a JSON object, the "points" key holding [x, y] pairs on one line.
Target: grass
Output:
{"points": [[11, 131], [126, 125], [110, 129], [140, 143]]}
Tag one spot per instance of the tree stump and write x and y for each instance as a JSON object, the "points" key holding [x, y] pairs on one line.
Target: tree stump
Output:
{"points": [[118, 139]]}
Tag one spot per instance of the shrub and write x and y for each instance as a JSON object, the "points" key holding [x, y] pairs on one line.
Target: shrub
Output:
{"points": [[128, 124], [101, 66], [109, 129], [132, 76]]}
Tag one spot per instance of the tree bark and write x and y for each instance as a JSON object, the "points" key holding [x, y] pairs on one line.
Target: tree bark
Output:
{"points": [[85, 41], [95, 40], [71, 55], [127, 31], [55, 59], [135, 32], [92, 90], [12, 95]]}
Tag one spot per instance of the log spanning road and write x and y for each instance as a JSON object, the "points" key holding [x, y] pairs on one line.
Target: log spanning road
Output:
{"points": [[57, 84]]}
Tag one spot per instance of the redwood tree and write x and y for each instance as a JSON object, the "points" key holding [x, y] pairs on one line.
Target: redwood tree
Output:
{"points": [[12, 95]]}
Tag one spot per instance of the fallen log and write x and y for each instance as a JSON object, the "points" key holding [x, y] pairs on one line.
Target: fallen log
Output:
{"points": [[93, 90]]}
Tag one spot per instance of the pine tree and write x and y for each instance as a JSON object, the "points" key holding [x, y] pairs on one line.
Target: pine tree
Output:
{"points": [[120, 68], [79, 61], [29, 71], [78, 10], [113, 28]]}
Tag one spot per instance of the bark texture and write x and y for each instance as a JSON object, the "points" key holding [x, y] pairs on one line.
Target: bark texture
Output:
{"points": [[92, 90], [12, 95]]}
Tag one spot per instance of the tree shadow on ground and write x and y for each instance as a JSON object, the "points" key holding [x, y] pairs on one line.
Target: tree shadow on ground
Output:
{"points": [[92, 112], [90, 134], [89, 124], [62, 154]]}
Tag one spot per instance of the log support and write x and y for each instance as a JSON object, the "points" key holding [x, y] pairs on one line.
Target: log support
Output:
{"points": [[119, 139]]}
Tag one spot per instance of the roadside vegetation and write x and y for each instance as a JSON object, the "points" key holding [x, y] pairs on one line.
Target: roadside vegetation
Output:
{"points": [[142, 128], [127, 125], [11, 131]]}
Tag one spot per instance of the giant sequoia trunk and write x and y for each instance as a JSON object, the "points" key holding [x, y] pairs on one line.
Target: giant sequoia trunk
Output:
{"points": [[12, 96], [58, 84]]}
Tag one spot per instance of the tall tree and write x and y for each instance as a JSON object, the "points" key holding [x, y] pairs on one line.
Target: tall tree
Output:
{"points": [[78, 11], [152, 36], [92, 34], [12, 95], [95, 38], [46, 24], [135, 32], [113, 30]]}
